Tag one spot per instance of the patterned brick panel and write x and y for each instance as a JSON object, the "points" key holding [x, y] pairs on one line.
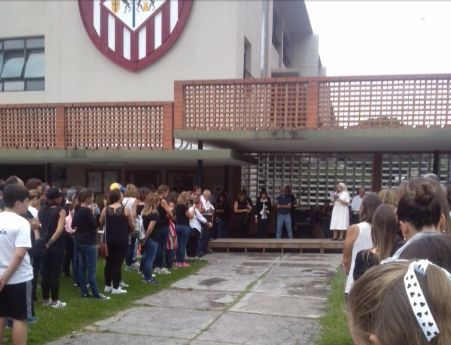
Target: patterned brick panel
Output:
{"points": [[390, 102], [28, 128], [266, 105], [114, 127]]}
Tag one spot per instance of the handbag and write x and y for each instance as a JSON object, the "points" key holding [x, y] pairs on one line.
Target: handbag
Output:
{"points": [[102, 247]]}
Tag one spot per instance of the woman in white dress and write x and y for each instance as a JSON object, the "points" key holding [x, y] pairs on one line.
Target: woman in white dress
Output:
{"points": [[340, 213]]}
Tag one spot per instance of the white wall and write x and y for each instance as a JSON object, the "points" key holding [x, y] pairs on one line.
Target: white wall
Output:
{"points": [[76, 71]]}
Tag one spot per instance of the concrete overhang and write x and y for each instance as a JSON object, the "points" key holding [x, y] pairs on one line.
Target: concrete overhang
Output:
{"points": [[342, 140], [188, 158]]}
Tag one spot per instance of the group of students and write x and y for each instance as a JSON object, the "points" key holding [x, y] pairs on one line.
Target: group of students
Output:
{"points": [[47, 239], [398, 260]]}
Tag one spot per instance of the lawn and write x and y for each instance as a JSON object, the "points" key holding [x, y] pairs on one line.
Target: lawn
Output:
{"points": [[81, 312], [334, 325]]}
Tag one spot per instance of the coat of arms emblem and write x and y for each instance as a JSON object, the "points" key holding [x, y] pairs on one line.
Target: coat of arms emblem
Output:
{"points": [[134, 33]]}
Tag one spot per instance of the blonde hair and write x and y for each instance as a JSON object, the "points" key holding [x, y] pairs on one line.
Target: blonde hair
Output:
{"points": [[384, 231], [378, 304], [34, 194], [131, 191], [151, 204], [389, 196], [183, 198]]}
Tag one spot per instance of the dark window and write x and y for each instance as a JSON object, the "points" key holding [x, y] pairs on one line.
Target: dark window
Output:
{"points": [[22, 64]]}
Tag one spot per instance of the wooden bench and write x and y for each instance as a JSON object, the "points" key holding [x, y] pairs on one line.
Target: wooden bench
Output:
{"points": [[320, 244]]}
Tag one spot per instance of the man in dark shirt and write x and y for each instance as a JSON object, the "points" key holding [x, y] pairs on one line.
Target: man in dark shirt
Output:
{"points": [[283, 205]]}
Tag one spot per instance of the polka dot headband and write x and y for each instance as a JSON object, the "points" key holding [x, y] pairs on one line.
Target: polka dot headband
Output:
{"points": [[418, 301]]}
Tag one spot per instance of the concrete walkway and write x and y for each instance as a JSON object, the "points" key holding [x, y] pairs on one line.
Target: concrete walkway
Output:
{"points": [[238, 299]]}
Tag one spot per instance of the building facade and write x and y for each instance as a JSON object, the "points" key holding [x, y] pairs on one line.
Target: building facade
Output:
{"points": [[234, 96]]}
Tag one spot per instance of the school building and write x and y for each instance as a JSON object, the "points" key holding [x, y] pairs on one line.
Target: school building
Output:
{"points": [[229, 94]]}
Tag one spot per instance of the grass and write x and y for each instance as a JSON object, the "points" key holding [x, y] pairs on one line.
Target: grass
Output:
{"points": [[334, 325], [79, 313]]}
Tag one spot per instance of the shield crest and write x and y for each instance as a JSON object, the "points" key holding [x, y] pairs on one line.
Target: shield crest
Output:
{"points": [[134, 33]]}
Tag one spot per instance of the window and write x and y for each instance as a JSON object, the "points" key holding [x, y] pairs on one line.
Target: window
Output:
{"points": [[22, 64]]}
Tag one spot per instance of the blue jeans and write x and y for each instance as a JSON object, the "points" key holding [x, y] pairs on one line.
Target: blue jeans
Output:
{"points": [[88, 262], [130, 251], [151, 248], [223, 228], [183, 233], [162, 243], [281, 219], [75, 264]]}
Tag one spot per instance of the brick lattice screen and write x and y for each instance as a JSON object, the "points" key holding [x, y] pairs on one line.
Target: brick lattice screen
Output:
{"points": [[232, 105], [118, 127], [28, 128], [388, 103]]}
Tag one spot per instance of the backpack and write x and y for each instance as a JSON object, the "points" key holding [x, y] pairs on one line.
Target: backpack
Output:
{"points": [[68, 225], [139, 231]]}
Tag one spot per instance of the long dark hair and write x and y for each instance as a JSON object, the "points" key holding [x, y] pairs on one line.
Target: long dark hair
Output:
{"points": [[84, 194]]}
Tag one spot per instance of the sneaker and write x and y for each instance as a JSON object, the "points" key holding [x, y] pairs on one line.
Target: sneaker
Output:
{"points": [[101, 297], [150, 281], [136, 264], [108, 288], [75, 285], [32, 319], [47, 303], [86, 295], [122, 284], [129, 268], [163, 270], [118, 291], [177, 264], [58, 305], [153, 275], [88, 285], [185, 265]]}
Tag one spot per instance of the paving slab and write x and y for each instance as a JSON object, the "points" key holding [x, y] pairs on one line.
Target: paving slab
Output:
{"points": [[293, 286], [266, 304], [235, 268], [190, 299], [161, 322], [257, 329], [109, 339], [282, 270], [209, 342], [215, 283]]}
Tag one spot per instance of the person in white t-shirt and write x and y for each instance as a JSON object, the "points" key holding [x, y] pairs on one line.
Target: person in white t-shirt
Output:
{"points": [[355, 205], [15, 268]]}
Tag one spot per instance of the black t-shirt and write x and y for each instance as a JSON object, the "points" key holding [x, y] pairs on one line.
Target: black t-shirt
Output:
{"points": [[155, 235], [49, 217], [163, 220], [86, 225], [224, 206], [180, 213], [364, 260], [116, 225]]}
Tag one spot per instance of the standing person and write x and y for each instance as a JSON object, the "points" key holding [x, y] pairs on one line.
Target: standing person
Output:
{"points": [[150, 241], [130, 201], [325, 217], [242, 210], [143, 192], [86, 240], [162, 228], [15, 268], [263, 211], [222, 215], [294, 203], [355, 205], [340, 213], [68, 234], [283, 205], [359, 237], [208, 214], [53, 220], [384, 228], [196, 225], [183, 215], [117, 219]]}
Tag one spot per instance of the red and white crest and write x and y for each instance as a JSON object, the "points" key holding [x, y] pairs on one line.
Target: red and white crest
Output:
{"points": [[134, 33]]}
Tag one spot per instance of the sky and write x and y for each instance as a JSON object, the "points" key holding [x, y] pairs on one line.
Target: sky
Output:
{"points": [[382, 37]]}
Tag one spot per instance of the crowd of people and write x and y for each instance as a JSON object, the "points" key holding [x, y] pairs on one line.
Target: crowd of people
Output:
{"points": [[397, 258], [45, 231]]}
